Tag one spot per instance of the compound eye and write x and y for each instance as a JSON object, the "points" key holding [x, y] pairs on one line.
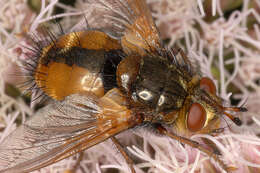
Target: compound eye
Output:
{"points": [[196, 117], [207, 85]]}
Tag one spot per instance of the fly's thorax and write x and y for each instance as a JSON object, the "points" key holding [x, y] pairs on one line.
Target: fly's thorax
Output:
{"points": [[201, 110], [154, 84]]}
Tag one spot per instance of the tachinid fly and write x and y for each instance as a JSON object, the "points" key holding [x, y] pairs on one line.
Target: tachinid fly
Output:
{"points": [[103, 81]]}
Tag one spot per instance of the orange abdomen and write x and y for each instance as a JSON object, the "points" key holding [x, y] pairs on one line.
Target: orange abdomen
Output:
{"points": [[76, 63]]}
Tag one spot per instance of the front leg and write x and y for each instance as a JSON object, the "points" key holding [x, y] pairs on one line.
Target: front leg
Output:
{"points": [[193, 144], [211, 144]]}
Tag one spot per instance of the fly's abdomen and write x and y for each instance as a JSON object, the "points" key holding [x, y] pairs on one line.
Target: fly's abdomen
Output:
{"points": [[78, 62]]}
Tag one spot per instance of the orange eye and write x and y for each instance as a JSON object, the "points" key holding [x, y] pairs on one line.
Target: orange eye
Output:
{"points": [[207, 85], [196, 117]]}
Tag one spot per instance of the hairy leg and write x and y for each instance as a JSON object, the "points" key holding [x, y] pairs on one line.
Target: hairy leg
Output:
{"points": [[128, 160]]}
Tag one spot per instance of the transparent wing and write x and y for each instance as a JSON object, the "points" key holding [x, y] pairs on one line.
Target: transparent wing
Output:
{"points": [[61, 130], [129, 20]]}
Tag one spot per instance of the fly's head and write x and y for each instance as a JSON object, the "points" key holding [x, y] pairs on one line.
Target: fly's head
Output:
{"points": [[202, 110]]}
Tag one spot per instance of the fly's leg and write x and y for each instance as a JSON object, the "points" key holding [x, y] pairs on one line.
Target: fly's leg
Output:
{"points": [[211, 144], [128, 160], [77, 164], [194, 144]]}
